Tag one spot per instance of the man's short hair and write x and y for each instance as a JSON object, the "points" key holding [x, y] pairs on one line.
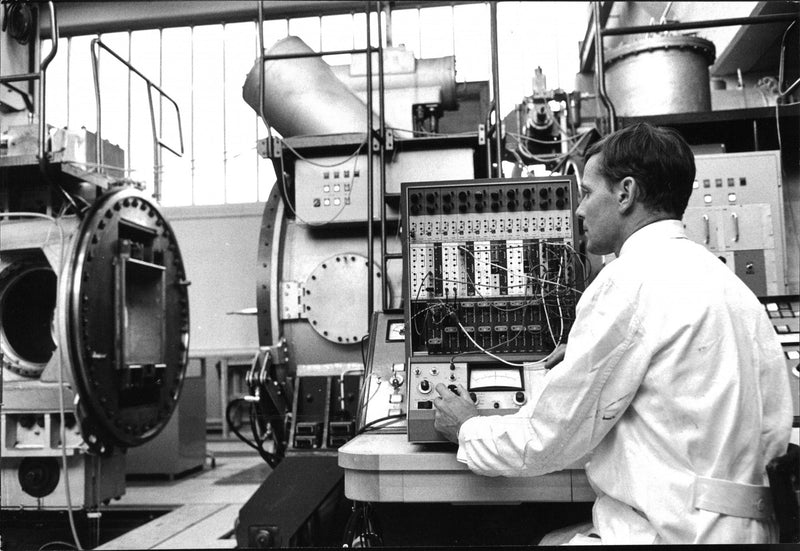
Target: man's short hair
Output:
{"points": [[658, 158]]}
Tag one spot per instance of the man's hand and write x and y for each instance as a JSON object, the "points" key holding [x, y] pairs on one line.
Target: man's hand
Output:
{"points": [[452, 410], [556, 357]]}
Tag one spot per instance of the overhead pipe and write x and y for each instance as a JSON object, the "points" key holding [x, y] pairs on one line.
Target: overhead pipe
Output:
{"points": [[600, 75], [304, 96], [382, 127], [689, 25], [498, 138], [370, 175]]}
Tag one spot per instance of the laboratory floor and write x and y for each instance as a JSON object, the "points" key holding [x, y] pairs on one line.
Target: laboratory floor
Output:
{"points": [[195, 510]]}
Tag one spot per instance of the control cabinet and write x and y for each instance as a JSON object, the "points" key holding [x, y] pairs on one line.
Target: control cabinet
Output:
{"points": [[333, 189], [492, 273], [784, 313], [736, 210], [385, 390]]}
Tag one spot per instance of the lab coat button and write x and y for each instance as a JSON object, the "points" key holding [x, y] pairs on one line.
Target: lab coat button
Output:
{"points": [[760, 505]]}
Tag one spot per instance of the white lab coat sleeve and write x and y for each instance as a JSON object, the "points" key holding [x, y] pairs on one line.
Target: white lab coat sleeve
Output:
{"points": [[584, 395]]}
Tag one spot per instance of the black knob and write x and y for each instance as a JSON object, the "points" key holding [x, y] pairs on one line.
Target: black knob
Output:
{"points": [[478, 207], [462, 195], [495, 206], [512, 205], [431, 209], [560, 192], [454, 389], [519, 397], [511, 193], [526, 193], [447, 198], [424, 385], [463, 208], [559, 203], [543, 205], [527, 205], [478, 195], [447, 208], [495, 195], [543, 192], [431, 197], [414, 198]]}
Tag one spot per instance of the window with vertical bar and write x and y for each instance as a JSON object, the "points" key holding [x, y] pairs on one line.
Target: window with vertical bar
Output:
{"points": [[203, 68]]}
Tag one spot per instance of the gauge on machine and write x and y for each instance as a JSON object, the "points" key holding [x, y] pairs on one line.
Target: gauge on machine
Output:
{"points": [[395, 331], [494, 378]]}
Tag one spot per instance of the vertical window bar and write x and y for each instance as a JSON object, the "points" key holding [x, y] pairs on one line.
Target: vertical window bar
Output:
{"points": [[419, 31], [128, 163], [224, 120], [191, 109], [452, 29], [69, 65], [160, 168], [257, 160]]}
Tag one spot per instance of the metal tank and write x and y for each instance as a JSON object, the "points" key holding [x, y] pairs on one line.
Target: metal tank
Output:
{"points": [[660, 75], [94, 328], [94, 310]]}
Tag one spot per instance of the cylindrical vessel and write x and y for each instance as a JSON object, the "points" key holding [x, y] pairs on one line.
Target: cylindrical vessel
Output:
{"points": [[302, 96], [435, 72], [660, 75]]}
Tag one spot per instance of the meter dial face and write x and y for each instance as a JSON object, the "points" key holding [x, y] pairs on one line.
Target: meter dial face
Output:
{"points": [[497, 379], [396, 331]]}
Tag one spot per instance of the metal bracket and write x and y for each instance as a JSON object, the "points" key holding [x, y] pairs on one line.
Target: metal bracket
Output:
{"points": [[270, 148], [481, 134], [376, 141], [292, 307], [389, 139]]}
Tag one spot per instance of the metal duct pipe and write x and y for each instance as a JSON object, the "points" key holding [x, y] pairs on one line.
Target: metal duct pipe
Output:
{"points": [[302, 96], [436, 72]]}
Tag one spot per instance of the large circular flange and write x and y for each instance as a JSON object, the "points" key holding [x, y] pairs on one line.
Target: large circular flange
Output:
{"points": [[27, 302], [334, 299], [127, 320]]}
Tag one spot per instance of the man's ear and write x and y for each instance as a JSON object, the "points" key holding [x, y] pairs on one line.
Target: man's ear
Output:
{"points": [[627, 191]]}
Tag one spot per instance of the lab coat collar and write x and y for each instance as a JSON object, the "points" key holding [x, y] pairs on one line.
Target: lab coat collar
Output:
{"points": [[644, 236]]}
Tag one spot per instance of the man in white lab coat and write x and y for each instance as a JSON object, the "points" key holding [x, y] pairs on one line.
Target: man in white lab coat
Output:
{"points": [[672, 385]]}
